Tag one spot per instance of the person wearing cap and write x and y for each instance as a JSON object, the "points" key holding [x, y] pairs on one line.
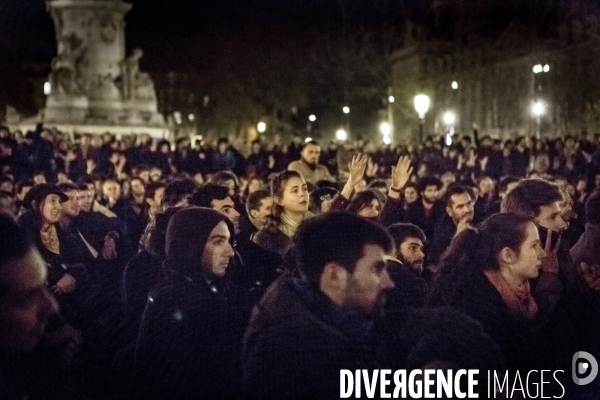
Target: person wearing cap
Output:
{"points": [[58, 247], [188, 344]]}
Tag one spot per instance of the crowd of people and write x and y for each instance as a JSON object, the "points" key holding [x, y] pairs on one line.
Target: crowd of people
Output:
{"points": [[139, 269]]}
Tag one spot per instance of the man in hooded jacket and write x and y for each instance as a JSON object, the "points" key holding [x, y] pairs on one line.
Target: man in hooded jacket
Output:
{"points": [[189, 341]]}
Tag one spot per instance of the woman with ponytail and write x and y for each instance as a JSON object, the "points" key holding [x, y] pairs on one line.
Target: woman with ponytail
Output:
{"points": [[485, 273], [290, 208]]}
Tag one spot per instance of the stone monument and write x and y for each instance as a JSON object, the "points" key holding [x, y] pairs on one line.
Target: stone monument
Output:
{"points": [[94, 87]]}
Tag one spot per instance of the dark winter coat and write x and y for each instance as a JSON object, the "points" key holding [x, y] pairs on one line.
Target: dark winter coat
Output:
{"points": [[298, 341]]}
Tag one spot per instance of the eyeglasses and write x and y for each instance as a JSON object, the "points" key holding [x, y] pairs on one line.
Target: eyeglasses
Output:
{"points": [[326, 197]]}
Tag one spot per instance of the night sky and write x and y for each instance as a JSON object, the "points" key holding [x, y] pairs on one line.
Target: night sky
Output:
{"points": [[257, 57]]}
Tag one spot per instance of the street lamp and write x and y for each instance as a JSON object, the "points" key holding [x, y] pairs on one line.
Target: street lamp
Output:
{"points": [[538, 109], [261, 127], [454, 85], [47, 88], [341, 134], [421, 107], [346, 110], [391, 99], [312, 118], [449, 118]]}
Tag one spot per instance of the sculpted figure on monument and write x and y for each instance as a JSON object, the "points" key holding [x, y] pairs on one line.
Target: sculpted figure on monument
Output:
{"points": [[66, 76], [136, 84]]}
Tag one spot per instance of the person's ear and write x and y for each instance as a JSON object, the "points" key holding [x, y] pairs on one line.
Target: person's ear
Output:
{"points": [[334, 276], [253, 213], [449, 211], [277, 200], [507, 255]]}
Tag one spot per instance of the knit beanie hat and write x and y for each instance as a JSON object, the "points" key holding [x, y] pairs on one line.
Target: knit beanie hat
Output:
{"points": [[187, 234]]}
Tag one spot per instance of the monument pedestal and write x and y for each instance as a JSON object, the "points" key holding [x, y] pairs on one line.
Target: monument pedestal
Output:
{"points": [[94, 88]]}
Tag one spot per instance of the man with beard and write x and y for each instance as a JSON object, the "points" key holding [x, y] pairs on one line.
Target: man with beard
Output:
{"points": [[406, 269], [253, 268], [427, 212], [133, 211], [35, 344], [308, 165], [306, 329], [459, 216]]}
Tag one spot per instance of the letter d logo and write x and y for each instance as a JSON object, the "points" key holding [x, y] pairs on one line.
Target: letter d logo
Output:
{"points": [[579, 368]]}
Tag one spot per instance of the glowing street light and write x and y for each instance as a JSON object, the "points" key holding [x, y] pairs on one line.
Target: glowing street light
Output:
{"points": [[391, 99], [546, 68], [454, 85], [261, 127], [341, 134], [385, 128], [421, 107], [312, 118], [538, 109], [47, 88], [449, 118], [191, 117], [387, 139], [537, 68], [346, 110]]}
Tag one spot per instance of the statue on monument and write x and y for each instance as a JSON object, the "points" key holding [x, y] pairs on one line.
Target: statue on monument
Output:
{"points": [[67, 67], [136, 84]]}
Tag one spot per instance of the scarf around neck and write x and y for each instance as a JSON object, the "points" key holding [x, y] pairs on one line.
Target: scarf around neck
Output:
{"points": [[288, 226], [519, 301], [49, 239]]}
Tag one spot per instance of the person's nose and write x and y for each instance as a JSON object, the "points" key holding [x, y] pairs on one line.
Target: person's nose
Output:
{"points": [[229, 251], [421, 254], [48, 305], [387, 282]]}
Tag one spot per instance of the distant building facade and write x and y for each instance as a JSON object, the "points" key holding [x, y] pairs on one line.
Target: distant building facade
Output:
{"points": [[495, 87]]}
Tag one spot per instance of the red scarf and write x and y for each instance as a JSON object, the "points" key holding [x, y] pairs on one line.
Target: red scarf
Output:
{"points": [[519, 301]]}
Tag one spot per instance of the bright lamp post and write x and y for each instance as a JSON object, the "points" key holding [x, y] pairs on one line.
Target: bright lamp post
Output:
{"points": [[421, 107], [538, 109], [449, 119]]}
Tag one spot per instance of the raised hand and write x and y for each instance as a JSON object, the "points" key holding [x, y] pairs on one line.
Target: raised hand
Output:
{"points": [[550, 262], [401, 173], [357, 168], [356, 173]]}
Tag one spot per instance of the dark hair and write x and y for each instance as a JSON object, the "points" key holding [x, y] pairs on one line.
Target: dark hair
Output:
{"points": [[316, 195], [205, 194], [475, 250], [592, 209], [378, 184], [254, 199], [14, 244], [401, 231], [178, 190], [222, 140], [153, 239], [428, 181], [318, 242], [504, 182], [22, 184], [311, 142], [529, 195], [363, 199], [151, 188], [277, 185], [223, 176], [67, 187], [457, 189]]}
